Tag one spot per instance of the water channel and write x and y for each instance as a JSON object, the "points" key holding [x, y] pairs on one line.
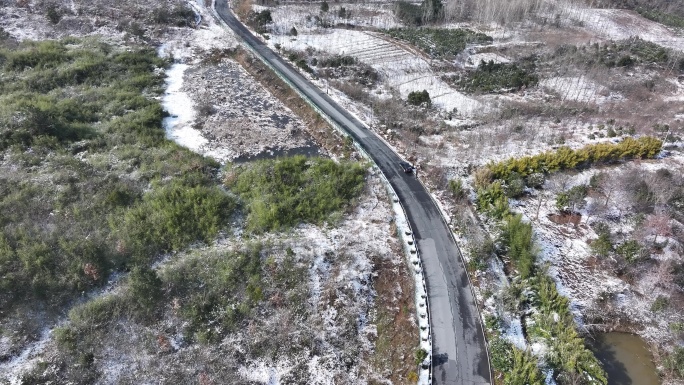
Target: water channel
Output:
{"points": [[626, 359]]}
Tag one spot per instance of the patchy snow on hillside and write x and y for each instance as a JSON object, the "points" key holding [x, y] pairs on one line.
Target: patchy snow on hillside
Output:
{"points": [[619, 24], [401, 69], [579, 89], [12, 369], [310, 18]]}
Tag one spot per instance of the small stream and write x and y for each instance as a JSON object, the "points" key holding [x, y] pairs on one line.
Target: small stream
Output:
{"points": [[625, 358]]}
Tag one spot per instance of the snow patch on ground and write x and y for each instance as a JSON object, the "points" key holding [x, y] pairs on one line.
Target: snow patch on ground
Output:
{"points": [[474, 60], [181, 110], [265, 374], [514, 334]]}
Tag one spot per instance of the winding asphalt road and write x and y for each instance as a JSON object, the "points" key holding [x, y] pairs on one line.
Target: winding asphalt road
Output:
{"points": [[459, 352]]}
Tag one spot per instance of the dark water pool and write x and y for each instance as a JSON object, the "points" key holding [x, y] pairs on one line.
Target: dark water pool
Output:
{"points": [[625, 358]]}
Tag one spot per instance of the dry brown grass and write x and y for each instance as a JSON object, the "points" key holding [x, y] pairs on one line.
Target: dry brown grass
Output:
{"points": [[397, 336]]}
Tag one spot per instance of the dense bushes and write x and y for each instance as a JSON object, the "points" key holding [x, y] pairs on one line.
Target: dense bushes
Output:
{"points": [[418, 98], [281, 193], [260, 20], [111, 82], [218, 291], [180, 15], [172, 216], [623, 53], [439, 42], [81, 141], [517, 236], [492, 77], [568, 355], [427, 12], [408, 13], [337, 61], [552, 323], [667, 18], [518, 367], [566, 158]]}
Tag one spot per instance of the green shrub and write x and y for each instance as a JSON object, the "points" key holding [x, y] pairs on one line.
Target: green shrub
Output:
{"points": [[418, 98], [145, 289], [524, 370], [602, 246], [408, 13], [661, 303], [260, 20], [456, 188], [642, 197], [624, 53], [501, 352], [218, 291], [172, 216], [515, 186], [630, 250], [566, 158], [63, 234], [517, 236], [492, 200], [97, 313], [53, 14], [337, 61], [438, 42], [66, 338], [180, 15], [571, 199], [494, 77], [675, 361], [420, 356], [568, 355], [670, 19], [284, 192]]}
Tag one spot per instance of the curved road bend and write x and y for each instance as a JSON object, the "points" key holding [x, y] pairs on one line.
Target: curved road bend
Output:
{"points": [[459, 353]]}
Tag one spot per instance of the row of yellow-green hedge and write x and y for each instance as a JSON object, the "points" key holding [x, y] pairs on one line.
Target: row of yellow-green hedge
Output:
{"points": [[566, 158]]}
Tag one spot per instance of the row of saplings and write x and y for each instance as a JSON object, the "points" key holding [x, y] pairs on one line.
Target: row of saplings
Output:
{"points": [[534, 291]]}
